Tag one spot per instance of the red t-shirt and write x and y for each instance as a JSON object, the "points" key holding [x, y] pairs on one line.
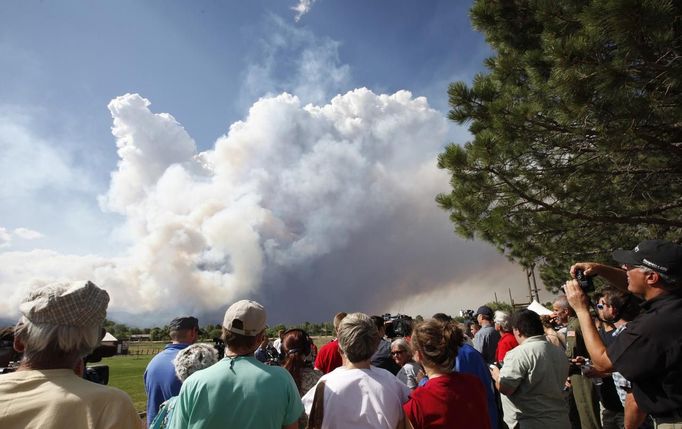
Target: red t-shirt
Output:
{"points": [[453, 401], [506, 343], [328, 358]]}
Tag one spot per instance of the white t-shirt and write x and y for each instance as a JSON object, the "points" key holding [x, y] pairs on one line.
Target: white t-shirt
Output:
{"points": [[360, 398]]}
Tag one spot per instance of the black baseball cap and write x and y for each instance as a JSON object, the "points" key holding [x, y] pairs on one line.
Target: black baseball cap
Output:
{"points": [[662, 256], [485, 311], [183, 323]]}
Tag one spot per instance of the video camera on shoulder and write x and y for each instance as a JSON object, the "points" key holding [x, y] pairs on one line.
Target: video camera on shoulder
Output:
{"points": [[98, 373], [396, 326]]}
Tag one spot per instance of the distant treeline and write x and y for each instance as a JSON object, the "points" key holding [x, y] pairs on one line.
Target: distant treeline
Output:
{"points": [[207, 332]]}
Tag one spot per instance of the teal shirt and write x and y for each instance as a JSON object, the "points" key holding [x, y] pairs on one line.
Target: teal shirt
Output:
{"points": [[238, 393]]}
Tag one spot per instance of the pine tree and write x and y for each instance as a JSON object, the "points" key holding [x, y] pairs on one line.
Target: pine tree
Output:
{"points": [[577, 131]]}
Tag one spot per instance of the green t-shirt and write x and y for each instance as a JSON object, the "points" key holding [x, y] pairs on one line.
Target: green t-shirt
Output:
{"points": [[237, 393]]}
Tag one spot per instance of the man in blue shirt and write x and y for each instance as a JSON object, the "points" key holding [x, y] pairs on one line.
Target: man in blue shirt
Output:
{"points": [[160, 381]]}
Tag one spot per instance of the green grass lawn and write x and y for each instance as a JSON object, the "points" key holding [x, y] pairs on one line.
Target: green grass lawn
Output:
{"points": [[125, 372]]}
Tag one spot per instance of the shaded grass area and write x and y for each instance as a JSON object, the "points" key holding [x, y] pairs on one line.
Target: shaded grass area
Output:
{"points": [[125, 373]]}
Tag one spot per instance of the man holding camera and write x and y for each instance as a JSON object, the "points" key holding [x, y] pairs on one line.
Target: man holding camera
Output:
{"points": [[649, 351]]}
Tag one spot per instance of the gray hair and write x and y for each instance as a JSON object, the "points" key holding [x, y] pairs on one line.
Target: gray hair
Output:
{"points": [[666, 281], [46, 338], [194, 358], [502, 319], [358, 337], [402, 344], [562, 301]]}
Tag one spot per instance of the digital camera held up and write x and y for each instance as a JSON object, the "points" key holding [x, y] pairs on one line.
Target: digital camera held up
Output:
{"points": [[585, 282]]}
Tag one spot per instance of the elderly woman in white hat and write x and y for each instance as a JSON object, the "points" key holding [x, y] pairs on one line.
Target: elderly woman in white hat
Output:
{"points": [[60, 325]]}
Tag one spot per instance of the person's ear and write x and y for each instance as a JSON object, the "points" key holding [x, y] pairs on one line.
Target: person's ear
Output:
{"points": [[18, 345], [652, 277]]}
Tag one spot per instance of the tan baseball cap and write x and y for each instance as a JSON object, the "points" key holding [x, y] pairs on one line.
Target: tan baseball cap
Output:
{"points": [[66, 304], [245, 317]]}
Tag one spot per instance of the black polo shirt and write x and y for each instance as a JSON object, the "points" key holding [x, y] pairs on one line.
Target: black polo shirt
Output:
{"points": [[649, 354]]}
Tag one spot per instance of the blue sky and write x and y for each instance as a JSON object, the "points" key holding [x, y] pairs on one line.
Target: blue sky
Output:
{"points": [[67, 193]]}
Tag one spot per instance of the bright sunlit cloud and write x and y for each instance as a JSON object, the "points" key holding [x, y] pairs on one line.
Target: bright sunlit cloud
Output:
{"points": [[302, 8]]}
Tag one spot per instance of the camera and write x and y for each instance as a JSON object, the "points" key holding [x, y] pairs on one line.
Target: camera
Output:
{"points": [[584, 281], [219, 346], [397, 326]]}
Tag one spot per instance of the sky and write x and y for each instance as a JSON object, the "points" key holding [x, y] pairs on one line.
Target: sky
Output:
{"points": [[185, 155]]}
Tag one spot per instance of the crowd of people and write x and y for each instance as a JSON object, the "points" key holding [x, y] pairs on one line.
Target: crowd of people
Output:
{"points": [[610, 361]]}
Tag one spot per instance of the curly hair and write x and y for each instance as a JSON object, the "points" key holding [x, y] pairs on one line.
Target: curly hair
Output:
{"points": [[193, 358]]}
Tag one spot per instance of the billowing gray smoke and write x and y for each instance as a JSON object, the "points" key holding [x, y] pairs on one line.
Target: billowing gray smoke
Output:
{"points": [[309, 209]]}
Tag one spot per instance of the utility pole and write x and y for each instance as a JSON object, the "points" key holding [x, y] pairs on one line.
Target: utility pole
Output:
{"points": [[530, 288], [535, 284]]}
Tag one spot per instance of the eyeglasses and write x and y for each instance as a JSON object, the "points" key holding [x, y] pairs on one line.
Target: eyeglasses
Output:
{"points": [[600, 306], [397, 352]]}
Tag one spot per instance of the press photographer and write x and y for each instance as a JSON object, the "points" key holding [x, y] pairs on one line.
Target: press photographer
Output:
{"points": [[648, 353]]}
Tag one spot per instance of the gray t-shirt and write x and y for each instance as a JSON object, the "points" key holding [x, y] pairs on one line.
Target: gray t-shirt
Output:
{"points": [[485, 341], [408, 374]]}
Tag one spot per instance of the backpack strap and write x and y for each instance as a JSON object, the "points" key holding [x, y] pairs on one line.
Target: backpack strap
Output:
{"points": [[317, 410]]}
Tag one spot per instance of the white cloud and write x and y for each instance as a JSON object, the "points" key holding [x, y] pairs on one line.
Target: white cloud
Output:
{"points": [[296, 61], [302, 8], [297, 204], [27, 234], [24, 271], [5, 237], [32, 163]]}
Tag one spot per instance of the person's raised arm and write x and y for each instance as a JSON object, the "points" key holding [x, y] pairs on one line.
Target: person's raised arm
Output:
{"points": [[593, 342], [613, 275]]}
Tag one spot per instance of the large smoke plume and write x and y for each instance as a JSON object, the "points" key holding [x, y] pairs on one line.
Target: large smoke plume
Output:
{"points": [[309, 209]]}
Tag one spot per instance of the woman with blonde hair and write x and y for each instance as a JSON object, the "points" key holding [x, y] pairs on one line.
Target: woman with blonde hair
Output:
{"points": [[449, 399]]}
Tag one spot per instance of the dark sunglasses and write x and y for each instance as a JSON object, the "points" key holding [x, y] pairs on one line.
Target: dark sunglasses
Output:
{"points": [[399, 352]]}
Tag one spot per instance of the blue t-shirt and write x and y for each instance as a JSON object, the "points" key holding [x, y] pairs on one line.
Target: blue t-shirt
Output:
{"points": [[160, 381], [470, 361], [239, 392]]}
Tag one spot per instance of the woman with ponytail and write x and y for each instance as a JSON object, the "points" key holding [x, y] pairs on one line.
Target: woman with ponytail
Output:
{"points": [[296, 345], [449, 399]]}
